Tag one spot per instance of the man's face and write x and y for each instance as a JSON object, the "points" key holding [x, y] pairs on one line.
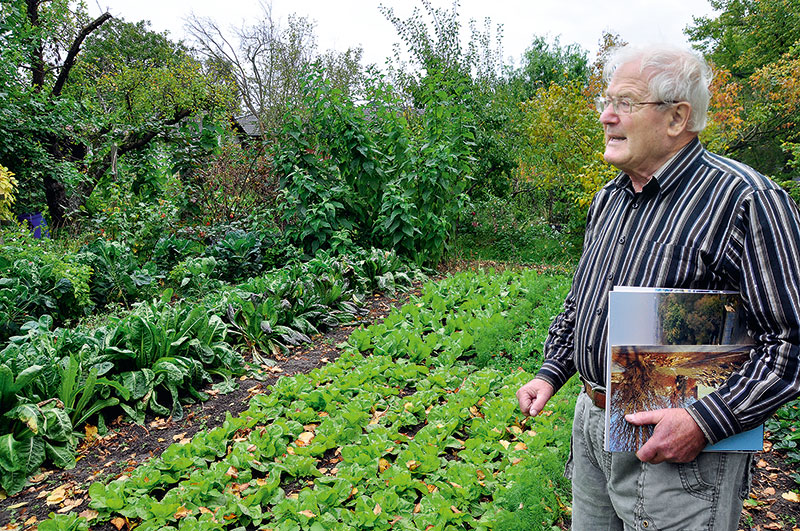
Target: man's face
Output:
{"points": [[636, 143]]}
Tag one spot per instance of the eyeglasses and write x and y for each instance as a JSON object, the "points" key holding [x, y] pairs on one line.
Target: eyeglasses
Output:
{"points": [[624, 105]]}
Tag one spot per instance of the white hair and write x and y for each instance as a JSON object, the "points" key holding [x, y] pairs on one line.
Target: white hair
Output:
{"points": [[672, 73]]}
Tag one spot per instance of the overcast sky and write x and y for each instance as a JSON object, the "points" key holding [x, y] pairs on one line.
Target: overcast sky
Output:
{"points": [[348, 23]]}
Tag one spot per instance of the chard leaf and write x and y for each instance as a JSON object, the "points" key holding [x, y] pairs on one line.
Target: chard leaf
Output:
{"points": [[62, 455]]}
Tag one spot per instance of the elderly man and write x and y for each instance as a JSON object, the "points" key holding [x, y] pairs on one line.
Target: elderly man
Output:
{"points": [[676, 216]]}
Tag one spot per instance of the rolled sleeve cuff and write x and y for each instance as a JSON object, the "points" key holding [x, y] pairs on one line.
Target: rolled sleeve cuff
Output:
{"points": [[554, 373], [714, 417]]}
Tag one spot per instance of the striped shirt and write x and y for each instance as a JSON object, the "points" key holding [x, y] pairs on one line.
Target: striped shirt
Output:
{"points": [[703, 222]]}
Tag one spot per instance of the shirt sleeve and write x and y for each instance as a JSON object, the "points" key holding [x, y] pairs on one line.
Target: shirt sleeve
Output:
{"points": [[558, 365], [763, 259], [559, 347]]}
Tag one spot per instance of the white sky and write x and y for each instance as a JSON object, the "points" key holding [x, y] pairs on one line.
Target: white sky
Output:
{"points": [[348, 23]]}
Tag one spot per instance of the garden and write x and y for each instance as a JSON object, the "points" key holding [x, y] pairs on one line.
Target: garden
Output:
{"points": [[308, 304]]}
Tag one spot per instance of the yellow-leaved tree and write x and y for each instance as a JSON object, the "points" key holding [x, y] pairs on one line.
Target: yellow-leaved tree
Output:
{"points": [[562, 160], [8, 185]]}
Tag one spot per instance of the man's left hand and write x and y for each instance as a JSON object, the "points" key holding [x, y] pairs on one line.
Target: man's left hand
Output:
{"points": [[676, 438]]}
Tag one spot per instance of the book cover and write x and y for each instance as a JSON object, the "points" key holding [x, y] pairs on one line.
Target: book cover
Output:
{"points": [[669, 348]]}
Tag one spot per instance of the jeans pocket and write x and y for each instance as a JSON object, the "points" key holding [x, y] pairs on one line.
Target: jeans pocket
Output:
{"points": [[701, 477]]}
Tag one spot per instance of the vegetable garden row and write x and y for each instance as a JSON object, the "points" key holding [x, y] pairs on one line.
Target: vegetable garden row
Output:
{"points": [[162, 354], [415, 426]]}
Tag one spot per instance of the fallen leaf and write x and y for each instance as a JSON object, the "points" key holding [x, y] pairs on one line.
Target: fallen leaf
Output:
{"points": [[307, 513], [58, 495], [305, 438], [520, 446], [89, 514], [91, 434], [377, 510], [455, 509], [505, 444], [762, 464], [118, 522], [70, 505], [791, 496], [31, 521], [383, 465], [182, 512], [38, 478], [769, 491], [412, 465], [232, 472]]}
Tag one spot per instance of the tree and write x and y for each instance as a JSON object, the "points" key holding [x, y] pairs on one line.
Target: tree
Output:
{"points": [[544, 64], [82, 114], [562, 158], [747, 34], [754, 46], [267, 65]]}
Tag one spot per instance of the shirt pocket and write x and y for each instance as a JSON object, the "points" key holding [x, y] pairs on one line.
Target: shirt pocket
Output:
{"points": [[668, 265]]}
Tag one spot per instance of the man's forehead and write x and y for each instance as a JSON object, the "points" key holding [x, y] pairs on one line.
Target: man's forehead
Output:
{"points": [[628, 78]]}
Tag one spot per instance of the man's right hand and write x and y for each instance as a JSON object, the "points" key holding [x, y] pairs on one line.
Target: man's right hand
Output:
{"points": [[533, 396]]}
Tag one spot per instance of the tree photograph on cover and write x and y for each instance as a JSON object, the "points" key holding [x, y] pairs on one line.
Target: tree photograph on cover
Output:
{"points": [[668, 349]]}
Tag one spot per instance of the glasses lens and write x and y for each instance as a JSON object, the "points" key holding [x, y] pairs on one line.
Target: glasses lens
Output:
{"points": [[601, 103]]}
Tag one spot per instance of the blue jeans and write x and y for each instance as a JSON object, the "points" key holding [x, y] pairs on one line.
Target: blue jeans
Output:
{"points": [[616, 491]]}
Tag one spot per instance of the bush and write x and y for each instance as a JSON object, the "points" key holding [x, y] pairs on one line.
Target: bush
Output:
{"points": [[117, 275], [40, 277]]}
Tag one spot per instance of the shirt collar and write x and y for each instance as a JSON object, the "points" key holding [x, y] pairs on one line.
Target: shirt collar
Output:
{"points": [[668, 175]]}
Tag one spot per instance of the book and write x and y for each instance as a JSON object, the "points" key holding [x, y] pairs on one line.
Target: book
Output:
{"points": [[668, 348]]}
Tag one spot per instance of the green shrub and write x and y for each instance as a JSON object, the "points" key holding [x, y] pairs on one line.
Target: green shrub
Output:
{"points": [[117, 274], [40, 277]]}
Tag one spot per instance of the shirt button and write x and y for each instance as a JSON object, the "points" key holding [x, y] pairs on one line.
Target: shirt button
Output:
{"points": [[598, 311], [635, 205], [610, 277], [621, 240]]}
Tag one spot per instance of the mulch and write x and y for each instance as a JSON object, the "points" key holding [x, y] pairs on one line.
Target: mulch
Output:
{"points": [[773, 503]]}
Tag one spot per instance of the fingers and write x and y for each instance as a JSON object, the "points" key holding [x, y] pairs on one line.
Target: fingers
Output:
{"points": [[643, 418], [676, 437], [533, 396]]}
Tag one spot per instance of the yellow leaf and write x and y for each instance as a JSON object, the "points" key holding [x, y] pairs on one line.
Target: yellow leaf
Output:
{"points": [[307, 513], [505, 444], [91, 433], [412, 465], [520, 446], [791, 496], [57, 496], [305, 438], [383, 464], [118, 522], [182, 512]]}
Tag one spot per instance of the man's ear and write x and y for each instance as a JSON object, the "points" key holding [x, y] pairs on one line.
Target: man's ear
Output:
{"points": [[679, 118]]}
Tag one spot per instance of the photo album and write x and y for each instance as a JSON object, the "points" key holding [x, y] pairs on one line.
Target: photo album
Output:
{"points": [[668, 348]]}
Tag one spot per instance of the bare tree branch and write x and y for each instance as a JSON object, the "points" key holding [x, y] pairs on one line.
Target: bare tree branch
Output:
{"points": [[74, 49]]}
